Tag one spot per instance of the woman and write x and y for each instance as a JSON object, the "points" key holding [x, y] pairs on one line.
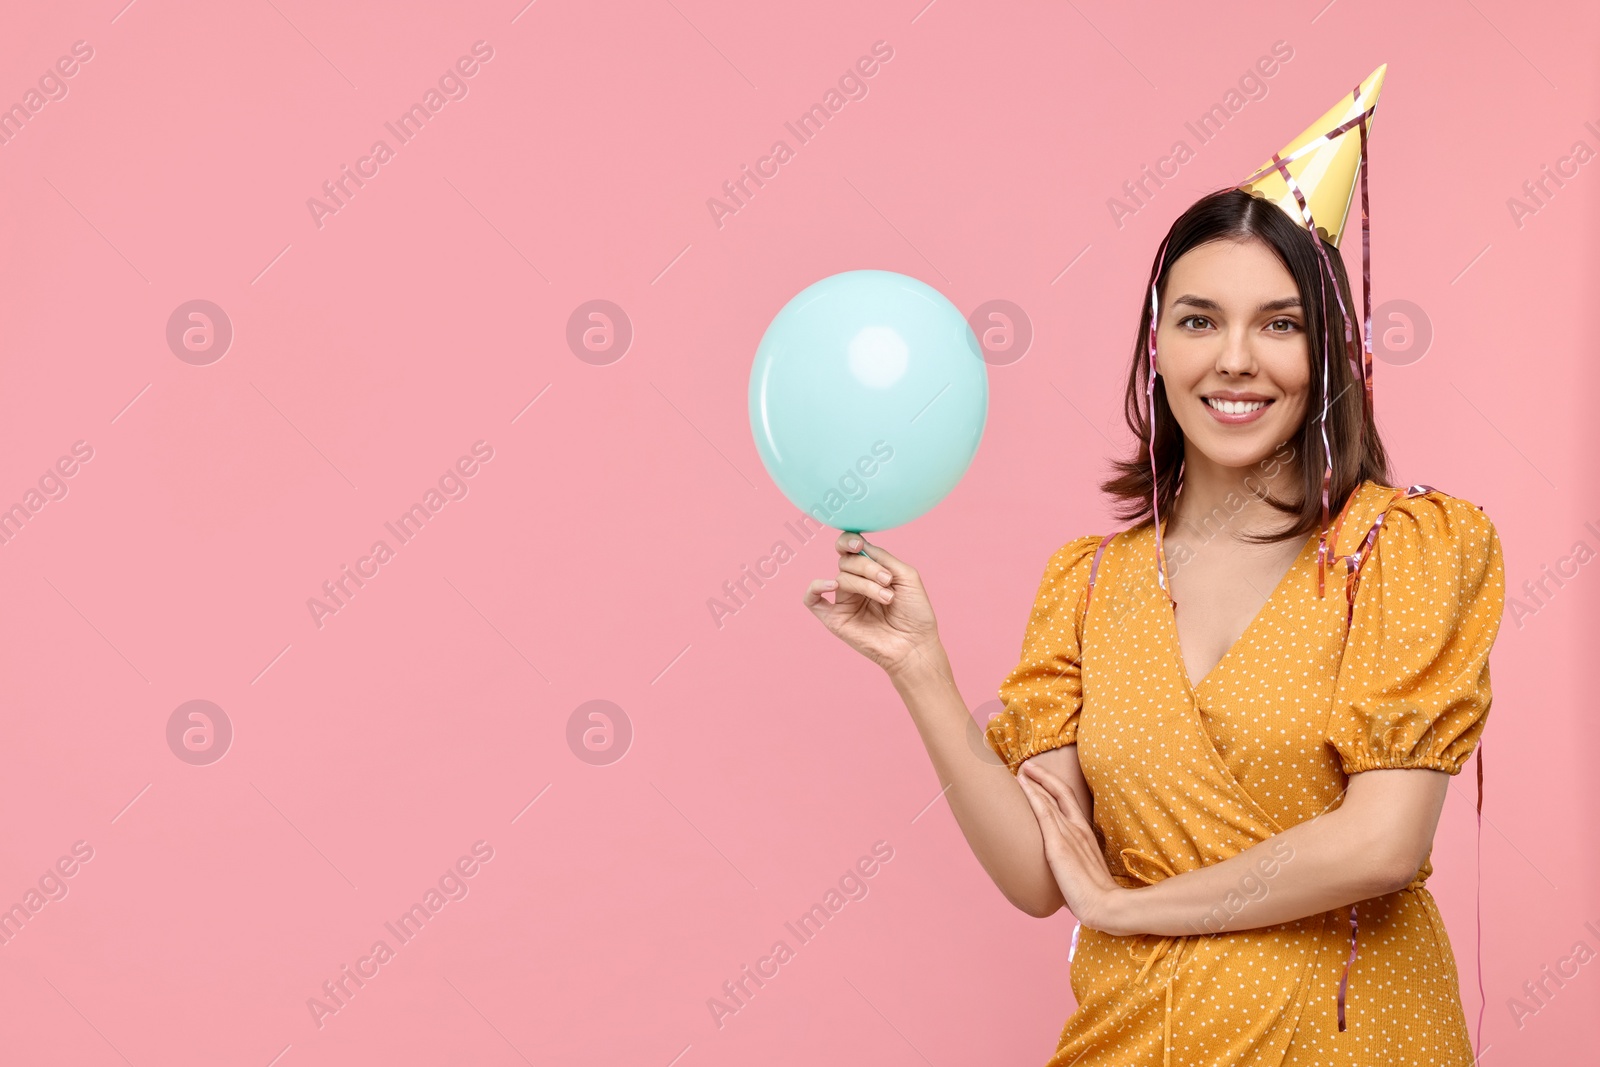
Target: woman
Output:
{"points": [[1237, 757]]}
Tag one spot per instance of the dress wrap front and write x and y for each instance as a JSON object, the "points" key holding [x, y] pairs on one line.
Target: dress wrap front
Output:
{"points": [[1185, 776]]}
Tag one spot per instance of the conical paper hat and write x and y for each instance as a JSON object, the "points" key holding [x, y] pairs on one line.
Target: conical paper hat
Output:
{"points": [[1327, 174]]}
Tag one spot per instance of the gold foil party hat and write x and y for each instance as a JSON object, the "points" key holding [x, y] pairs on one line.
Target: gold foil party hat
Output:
{"points": [[1325, 163]]}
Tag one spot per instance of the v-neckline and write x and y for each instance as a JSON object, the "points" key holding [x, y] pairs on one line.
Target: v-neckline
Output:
{"points": [[1171, 613]]}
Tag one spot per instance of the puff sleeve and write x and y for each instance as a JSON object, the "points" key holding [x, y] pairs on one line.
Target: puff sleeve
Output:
{"points": [[1413, 687], [1043, 694]]}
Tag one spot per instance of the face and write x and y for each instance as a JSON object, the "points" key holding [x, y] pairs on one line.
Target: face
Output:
{"points": [[1232, 351]]}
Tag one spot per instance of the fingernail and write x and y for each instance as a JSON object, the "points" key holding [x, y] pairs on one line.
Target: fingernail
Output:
{"points": [[885, 577], [855, 542]]}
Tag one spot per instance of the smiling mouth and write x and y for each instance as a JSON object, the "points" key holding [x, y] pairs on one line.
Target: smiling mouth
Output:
{"points": [[1235, 407]]}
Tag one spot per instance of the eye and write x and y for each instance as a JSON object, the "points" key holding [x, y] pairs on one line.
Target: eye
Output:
{"points": [[1290, 323], [1191, 318]]}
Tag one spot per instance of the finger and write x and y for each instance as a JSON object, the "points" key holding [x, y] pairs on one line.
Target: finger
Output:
{"points": [[896, 566], [1036, 801], [848, 544], [1057, 788], [1044, 808], [867, 568], [1065, 821], [813, 598], [1047, 778], [864, 587]]}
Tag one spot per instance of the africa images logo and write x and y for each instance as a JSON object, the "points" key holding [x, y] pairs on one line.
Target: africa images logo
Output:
{"points": [[852, 85], [452, 485], [452, 885], [452, 85], [852, 486]]}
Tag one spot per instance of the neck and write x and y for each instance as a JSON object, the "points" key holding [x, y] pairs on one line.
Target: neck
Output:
{"points": [[1218, 499]]}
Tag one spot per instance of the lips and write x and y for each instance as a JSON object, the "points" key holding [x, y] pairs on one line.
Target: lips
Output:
{"points": [[1233, 411], [1236, 406]]}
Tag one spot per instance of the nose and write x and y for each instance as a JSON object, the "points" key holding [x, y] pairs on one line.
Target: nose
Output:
{"points": [[1236, 355]]}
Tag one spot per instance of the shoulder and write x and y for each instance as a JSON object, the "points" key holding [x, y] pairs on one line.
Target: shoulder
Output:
{"points": [[1435, 523], [1066, 574], [1076, 551], [1435, 548], [1072, 560], [1419, 514], [1428, 609]]}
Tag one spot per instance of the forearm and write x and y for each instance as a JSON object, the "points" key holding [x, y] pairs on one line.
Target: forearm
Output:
{"points": [[984, 796], [1328, 862]]}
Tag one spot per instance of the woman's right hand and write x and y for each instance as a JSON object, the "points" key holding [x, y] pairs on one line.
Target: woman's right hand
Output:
{"points": [[879, 607]]}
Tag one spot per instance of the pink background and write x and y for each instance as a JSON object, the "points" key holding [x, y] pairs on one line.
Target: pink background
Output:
{"points": [[368, 354]]}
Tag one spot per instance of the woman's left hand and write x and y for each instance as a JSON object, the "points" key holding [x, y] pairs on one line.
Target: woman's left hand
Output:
{"points": [[1070, 846]]}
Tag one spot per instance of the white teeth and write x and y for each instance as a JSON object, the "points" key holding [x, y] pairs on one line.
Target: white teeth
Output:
{"points": [[1235, 407]]}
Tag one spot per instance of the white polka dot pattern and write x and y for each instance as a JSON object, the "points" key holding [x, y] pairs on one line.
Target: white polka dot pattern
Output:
{"points": [[1187, 776]]}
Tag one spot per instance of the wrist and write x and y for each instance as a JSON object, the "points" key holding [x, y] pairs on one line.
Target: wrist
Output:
{"points": [[1115, 913], [925, 663]]}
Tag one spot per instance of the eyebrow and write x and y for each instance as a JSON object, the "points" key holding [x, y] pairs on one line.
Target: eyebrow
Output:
{"points": [[1212, 305]]}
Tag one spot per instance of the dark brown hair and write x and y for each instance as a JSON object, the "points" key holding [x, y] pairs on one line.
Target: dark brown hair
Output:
{"points": [[1358, 453]]}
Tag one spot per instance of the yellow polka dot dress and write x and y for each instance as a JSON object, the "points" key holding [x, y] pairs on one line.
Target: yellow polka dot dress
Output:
{"points": [[1390, 673]]}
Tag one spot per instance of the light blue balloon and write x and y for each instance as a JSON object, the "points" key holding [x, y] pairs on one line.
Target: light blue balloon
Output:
{"points": [[867, 399]]}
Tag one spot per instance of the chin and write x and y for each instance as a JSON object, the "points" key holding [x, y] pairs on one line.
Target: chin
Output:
{"points": [[1238, 452]]}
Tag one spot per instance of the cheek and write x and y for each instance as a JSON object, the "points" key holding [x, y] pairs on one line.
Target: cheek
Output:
{"points": [[1292, 370], [1295, 385], [1182, 359]]}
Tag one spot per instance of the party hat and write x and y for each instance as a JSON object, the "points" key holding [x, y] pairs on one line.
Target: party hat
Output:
{"points": [[1325, 163]]}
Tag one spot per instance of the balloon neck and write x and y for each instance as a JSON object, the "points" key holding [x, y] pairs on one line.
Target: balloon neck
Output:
{"points": [[858, 533]]}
